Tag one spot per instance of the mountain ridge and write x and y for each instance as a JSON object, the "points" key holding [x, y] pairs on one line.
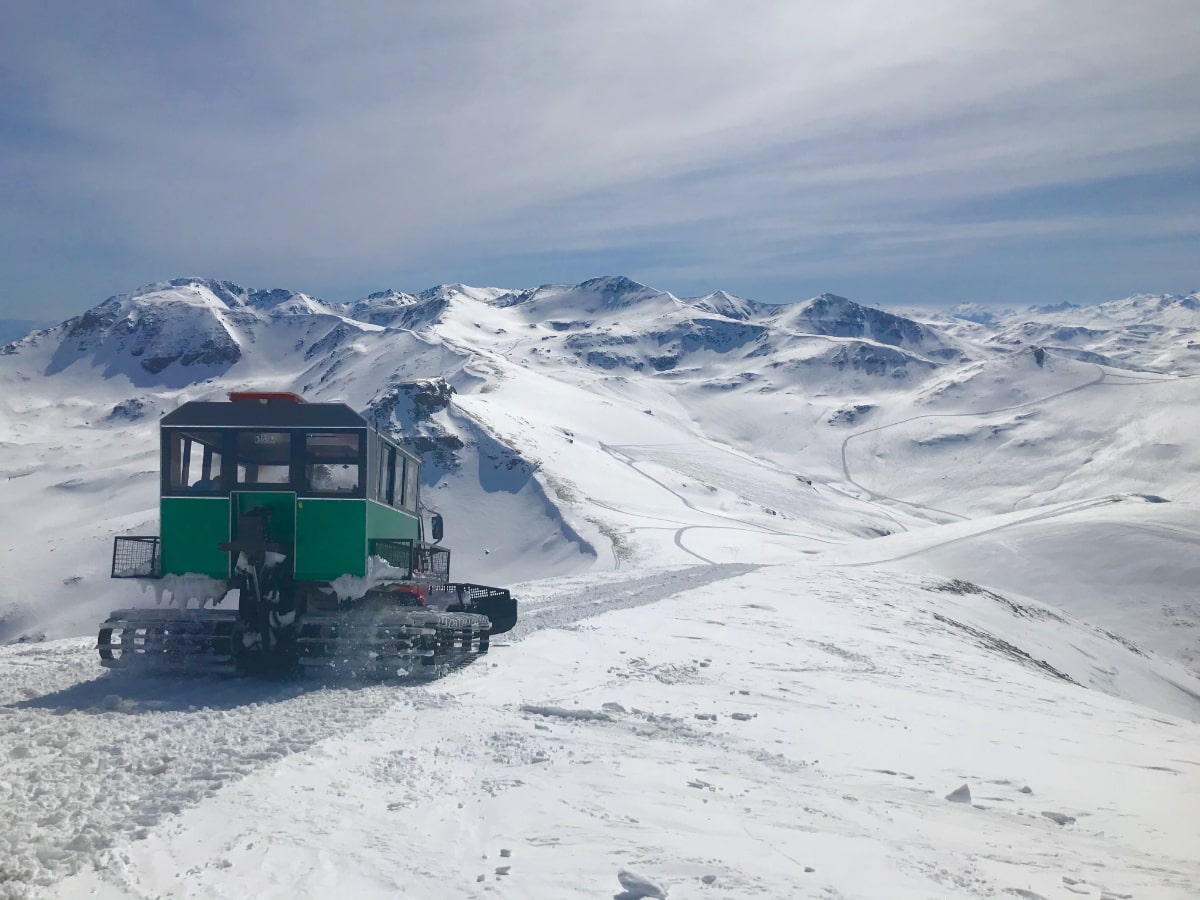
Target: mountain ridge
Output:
{"points": [[570, 408]]}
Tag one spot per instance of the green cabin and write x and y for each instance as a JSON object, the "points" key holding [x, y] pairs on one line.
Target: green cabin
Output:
{"points": [[333, 485]]}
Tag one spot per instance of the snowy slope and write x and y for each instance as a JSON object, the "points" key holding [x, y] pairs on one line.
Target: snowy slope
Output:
{"points": [[1125, 562], [676, 739], [930, 551]]}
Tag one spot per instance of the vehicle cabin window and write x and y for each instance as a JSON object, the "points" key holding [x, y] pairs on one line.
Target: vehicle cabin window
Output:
{"points": [[331, 462], [264, 457], [195, 461], [411, 479], [398, 464], [387, 462]]}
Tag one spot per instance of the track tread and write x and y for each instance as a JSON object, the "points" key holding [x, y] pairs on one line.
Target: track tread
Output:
{"points": [[423, 643]]}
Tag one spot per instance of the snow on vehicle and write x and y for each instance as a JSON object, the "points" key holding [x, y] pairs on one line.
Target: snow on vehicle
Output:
{"points": [[291, 536]]}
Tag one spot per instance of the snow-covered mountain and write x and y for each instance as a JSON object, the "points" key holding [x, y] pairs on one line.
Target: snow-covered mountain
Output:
{"points": [[824, 414], [921, 548], [1156, 333], [1151, 332]]}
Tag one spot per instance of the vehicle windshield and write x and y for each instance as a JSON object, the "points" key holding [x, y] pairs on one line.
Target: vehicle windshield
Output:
{"points": [[331, 462], [264, 457]]}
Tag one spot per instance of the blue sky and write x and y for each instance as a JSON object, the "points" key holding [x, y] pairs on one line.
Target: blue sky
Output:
{"points": [[929, 153]]}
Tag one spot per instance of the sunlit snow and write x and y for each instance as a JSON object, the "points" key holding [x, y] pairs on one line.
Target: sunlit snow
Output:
{"points": [[789, 581]]}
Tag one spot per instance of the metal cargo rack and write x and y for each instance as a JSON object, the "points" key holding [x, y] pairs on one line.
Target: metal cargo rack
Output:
{"points": [[137, 557]]}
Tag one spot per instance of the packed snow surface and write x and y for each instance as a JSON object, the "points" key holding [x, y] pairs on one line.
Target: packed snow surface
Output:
{"points": [[739, 722], [815, 601]]}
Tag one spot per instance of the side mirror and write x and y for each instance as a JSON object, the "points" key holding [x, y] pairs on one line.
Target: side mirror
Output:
{"points": [[436, 525]]}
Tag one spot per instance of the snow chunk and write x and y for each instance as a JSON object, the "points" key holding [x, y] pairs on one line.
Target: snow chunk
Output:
{"points": [[184, 589], [960, 795], [1059, 818], [582, 715], [379, 571], [639, 886]]}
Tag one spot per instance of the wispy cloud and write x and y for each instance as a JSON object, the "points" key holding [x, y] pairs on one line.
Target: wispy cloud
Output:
{"points": [[334, 147]]}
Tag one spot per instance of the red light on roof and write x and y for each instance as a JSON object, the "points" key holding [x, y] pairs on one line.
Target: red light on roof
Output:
{"points": [[265, 397]]}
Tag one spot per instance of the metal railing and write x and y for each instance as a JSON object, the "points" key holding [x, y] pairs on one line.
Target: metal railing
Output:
{"points": [[137, 556], [423, 562], [431, 563]]}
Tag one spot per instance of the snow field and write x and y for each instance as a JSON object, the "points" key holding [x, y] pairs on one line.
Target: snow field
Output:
{"points": [[1120, 562], [90, 762], [685, 740]]}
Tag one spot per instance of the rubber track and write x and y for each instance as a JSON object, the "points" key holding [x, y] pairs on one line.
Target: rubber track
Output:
{"points": [[422, 643], [168, 640]]}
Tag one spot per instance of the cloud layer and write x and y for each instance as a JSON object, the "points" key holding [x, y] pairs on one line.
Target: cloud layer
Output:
{"points": [[930, 152]]}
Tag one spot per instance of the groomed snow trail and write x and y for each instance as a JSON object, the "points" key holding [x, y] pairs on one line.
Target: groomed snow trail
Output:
{"points": [[92, 759], [793, 732], [565, 601]]}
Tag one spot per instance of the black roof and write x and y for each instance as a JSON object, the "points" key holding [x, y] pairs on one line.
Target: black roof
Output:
{"points": [[251, 414]]}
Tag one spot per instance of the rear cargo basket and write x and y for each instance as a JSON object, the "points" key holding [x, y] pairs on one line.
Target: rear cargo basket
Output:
{"points": [[422, 562], [431, 563], [470, 592], [136, 557], [495, 603]]}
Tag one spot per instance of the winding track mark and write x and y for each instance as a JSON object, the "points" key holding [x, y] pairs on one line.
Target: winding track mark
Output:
{"points": [[614, 451], [1035, 517], [987, 412]]}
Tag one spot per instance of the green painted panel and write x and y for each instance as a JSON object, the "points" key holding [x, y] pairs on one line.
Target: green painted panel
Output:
{"points": [[387, 522], [331, 539], [192, 530]]}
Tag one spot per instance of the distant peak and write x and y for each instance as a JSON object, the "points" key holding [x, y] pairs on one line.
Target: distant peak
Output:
{"points": [[269, 298], [226, 291], [390, 297], [615, 284], [1055, 307], [829, 304], [1187, 301], [726, 304], [442, 291], [198, 281]]}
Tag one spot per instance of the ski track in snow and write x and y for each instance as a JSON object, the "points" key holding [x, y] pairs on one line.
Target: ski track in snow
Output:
{"points": [[93, 759]]}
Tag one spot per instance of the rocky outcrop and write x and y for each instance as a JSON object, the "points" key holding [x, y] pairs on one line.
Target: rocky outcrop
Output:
{"points": [[407, 411]]}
